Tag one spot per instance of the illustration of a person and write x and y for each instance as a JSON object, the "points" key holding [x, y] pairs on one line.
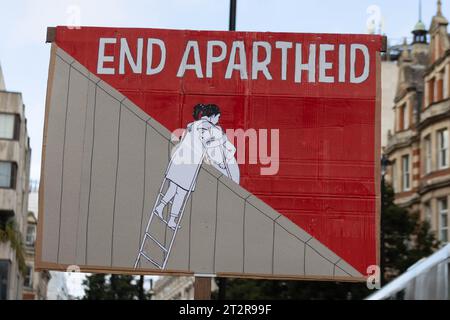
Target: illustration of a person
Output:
{"points": [[203, 139]]}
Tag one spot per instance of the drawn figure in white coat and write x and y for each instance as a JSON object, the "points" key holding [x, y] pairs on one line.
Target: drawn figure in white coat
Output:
{"points": [[203, 140]]}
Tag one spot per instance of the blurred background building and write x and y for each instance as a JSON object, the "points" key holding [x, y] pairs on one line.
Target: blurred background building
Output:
{"points": [[18, 205], [35, 282], [15, 155], [418, 146], [176, 288]]}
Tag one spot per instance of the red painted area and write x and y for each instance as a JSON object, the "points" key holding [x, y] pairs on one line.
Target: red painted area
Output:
{"points": [[326, 179]]}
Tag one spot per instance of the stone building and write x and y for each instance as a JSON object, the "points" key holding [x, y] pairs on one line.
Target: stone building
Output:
{"points": [[176, 288], [35, 283], [15, 154], [418, 147]]}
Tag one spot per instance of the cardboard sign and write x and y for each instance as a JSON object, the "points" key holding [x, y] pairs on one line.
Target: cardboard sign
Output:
{"points": [[226, 153]]}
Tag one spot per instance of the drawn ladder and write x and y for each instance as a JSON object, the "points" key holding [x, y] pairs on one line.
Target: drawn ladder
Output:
{"points": [[149, 237]]}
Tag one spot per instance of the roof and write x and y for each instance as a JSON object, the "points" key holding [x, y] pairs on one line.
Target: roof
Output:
{"points": [[412, 66], [420, 26], [438, 19]]}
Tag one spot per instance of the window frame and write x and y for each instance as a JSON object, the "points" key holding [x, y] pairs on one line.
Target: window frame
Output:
{"points": [[440, 149], [406, 116], [441, 212], [33, 242], [428, 154], [13, 177], [16, 127], [430, 91], [29, 277], [4, 287], [406, 174]]}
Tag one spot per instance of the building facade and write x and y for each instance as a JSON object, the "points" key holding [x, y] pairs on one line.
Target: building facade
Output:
{"points": [[418, 147], [35, 283], [15, 154], [176, 288]]}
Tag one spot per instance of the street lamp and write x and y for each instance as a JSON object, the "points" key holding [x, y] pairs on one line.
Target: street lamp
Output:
{"points": [[385, 162], [233, 4], [222, 282]]}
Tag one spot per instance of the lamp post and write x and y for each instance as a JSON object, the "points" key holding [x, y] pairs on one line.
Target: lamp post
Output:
{"points": [[222, 282], [233, 5], [385, 162]]}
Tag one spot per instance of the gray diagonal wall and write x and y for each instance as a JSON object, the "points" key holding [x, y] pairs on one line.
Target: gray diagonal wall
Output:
{"points": [[105, 161]]}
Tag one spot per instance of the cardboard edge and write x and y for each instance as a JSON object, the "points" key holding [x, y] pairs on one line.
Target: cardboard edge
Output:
{"points": [[378, 159], [128, 271], [51, 35], [40, 227], [384, 44], [41, 265]]}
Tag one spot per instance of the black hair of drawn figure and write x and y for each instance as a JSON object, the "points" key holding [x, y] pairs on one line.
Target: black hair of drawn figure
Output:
{"points": [[205, 110]]}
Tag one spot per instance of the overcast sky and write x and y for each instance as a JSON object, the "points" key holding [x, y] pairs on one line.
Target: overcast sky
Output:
{"points": [[24, 55]]}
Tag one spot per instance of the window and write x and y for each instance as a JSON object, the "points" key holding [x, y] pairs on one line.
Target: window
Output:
{"points": [[443, 219], [8, 172], [405, 115], [31, 235], [405, 173], [442, 149], [403, 119], [427, 212], [9, 126], [4, 276], [5, 217], [427, 155], [431, 91], [28, 281], [440, 88]]}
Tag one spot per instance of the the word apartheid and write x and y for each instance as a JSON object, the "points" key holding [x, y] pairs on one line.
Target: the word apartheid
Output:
{"points": [[297, 62]]}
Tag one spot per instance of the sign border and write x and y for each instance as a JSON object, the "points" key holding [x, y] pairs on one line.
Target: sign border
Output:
{"points": [[41, 265]]}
